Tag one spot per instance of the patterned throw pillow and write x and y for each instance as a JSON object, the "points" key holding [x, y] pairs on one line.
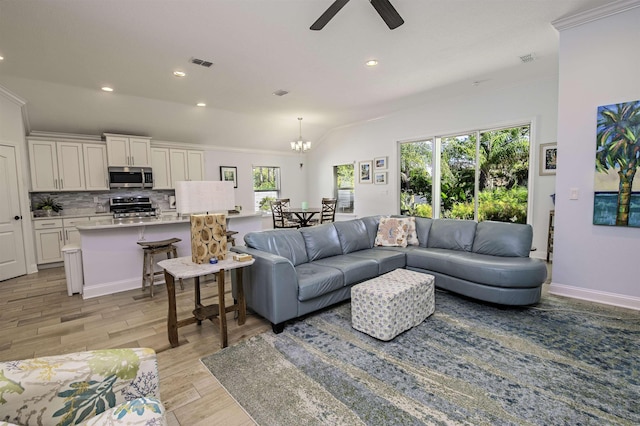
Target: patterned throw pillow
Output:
{"points": [[412, 234], [392, 232]]}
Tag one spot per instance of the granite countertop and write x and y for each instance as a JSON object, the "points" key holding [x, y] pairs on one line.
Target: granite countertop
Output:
{"points": [[110, 222]]}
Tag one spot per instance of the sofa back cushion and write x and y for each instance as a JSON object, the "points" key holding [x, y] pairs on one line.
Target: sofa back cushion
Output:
{"points": [[353, 235], [452, 234], [371, 222], [282, 242], [503, 239], [321, 241], [423, 225]]}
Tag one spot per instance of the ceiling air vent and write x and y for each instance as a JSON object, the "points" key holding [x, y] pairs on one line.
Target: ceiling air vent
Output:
{"points": [[201, 62], [280, 92], [530, 57]]}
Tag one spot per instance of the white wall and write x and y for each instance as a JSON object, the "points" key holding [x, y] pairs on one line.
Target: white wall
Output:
{"points": [[535, 101], [293, 178], [599, 65]]}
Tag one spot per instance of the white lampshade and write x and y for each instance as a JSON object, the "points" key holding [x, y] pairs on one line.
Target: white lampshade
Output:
{"points": [[204, 196]]}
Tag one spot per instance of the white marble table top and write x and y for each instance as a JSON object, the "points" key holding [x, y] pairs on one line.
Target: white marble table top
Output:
{"points": [[183, 267]]}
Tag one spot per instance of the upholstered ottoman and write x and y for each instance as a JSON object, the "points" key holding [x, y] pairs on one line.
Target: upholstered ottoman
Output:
{"points": [[385, 306]]}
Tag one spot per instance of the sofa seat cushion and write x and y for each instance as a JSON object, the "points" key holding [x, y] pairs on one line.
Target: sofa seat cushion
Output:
{"points": [[388, 260], [315, 280], [354, 268], [508, 272]]}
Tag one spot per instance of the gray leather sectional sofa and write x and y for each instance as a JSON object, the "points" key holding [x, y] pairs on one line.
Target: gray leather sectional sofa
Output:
{"points": [[298, 271]]}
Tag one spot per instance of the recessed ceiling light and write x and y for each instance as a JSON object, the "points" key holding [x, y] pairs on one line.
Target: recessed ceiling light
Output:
{"points": [[179, 73], [107, 89], [201, 104], [1, 58], [280, 92], [371, 63]]}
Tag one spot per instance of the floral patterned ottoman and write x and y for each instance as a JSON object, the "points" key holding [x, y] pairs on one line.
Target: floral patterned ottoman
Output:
{"points": [[385, 306]]}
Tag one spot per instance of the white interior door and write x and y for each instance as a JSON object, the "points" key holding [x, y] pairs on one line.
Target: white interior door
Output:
{"points": [[12, 259]]}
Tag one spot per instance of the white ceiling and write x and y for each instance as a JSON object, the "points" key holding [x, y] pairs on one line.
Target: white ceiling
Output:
{"points": [[58, 53]]}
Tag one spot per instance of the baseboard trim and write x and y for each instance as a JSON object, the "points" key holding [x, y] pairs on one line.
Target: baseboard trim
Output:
{"points": [[597, 296], [104, 289]]}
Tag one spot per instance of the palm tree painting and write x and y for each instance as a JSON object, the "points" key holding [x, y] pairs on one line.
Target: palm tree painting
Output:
{"points": [[617, 161]]}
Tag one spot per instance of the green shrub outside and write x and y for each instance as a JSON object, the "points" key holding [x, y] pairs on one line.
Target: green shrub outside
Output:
{"points": [[500, 204]]}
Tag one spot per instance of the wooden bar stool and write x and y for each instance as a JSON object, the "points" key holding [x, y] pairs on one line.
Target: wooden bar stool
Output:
{"points": [[230, 238], [151, 248]]}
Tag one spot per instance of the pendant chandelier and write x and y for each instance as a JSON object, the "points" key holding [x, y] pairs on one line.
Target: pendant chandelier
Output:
{"points": [[300, 145]]}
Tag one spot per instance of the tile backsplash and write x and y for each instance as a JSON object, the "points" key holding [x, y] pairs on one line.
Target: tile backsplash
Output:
{"points": [[84, 200]]}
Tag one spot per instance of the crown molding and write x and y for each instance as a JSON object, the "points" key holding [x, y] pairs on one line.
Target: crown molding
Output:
{"points": [[595, 14]]}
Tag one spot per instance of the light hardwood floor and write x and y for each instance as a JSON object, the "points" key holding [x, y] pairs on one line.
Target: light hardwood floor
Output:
{"points": [[38, 318]]}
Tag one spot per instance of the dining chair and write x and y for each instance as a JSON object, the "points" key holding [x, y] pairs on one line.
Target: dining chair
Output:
{"points": [[328, 210], [280, 219], [328, 213]]}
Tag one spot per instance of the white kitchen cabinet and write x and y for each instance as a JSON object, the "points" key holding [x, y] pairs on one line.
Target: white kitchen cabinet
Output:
{"points": [[49, 238], [56, 166], [195, 161], [161, 166], [186, 165], [123, 151], [53, 234], [70, 232], [95, 167]]}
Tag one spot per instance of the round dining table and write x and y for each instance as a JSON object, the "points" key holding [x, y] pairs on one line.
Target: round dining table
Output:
{"points": [[304, 215]]}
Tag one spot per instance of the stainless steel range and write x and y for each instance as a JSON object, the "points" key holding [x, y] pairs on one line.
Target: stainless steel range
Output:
{"points": [[125, 207]]}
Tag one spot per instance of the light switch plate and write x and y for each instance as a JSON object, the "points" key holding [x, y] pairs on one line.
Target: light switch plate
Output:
{"points": [[573, 193]]}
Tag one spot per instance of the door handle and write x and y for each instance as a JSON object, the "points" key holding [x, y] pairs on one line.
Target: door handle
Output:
{"points": [[60, 232], [61, 184], [16, 217]]}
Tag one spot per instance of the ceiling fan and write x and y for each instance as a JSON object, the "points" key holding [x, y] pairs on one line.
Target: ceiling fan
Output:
{"points": [[384, 8]]}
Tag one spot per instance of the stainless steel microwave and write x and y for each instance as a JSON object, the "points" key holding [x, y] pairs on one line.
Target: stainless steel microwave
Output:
{"points": [[130, 177]]}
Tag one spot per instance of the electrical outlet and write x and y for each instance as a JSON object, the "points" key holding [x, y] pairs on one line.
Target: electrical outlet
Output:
{"points": [[166, 197], [95, 199]]}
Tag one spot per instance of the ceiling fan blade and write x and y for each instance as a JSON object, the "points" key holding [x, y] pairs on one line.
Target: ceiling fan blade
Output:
{"points": [[387, 12], [328, 14]]}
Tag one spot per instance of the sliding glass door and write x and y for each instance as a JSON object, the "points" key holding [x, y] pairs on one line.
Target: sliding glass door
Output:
{"points": [[481, 175]]}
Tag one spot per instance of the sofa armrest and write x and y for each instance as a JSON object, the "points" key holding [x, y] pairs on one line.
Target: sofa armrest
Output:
{"points": [[270, 285], [71, 388]]}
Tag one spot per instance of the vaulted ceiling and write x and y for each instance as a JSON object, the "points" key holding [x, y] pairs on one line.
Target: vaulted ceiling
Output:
{"points": [[58, 54]]}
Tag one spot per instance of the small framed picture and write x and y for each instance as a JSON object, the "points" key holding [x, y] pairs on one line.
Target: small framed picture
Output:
{"points": [[380, 178], [548, 158], [366, 171], [380, 163], [229, 174]]}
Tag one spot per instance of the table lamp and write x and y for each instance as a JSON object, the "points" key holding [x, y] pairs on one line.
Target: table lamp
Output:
{"points": [[207, 202]]}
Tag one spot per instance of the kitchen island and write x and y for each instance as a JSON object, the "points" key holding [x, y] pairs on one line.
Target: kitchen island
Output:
{"points": [[112, 259]]}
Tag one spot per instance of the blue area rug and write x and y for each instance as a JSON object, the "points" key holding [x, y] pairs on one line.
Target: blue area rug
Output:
{"points": [[563, 362]]}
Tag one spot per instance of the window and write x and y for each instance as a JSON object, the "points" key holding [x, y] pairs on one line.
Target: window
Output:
{"points": [[343, 178], [481, 175], [266, 186]]}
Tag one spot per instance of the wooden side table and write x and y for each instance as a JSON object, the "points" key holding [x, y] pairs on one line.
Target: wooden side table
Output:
{"points": [[182, 268]]}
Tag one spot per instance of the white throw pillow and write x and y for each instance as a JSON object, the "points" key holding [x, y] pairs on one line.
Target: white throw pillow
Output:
{"points": [[392, 232]]}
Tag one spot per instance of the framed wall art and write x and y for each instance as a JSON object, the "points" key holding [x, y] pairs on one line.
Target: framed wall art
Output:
{"points": [[616, 200], [548, 158], [365, 171], [380, 163], [380, 178], [229, 174]]}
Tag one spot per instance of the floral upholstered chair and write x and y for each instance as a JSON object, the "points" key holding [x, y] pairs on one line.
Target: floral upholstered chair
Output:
{"points": [[102, 387]]}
